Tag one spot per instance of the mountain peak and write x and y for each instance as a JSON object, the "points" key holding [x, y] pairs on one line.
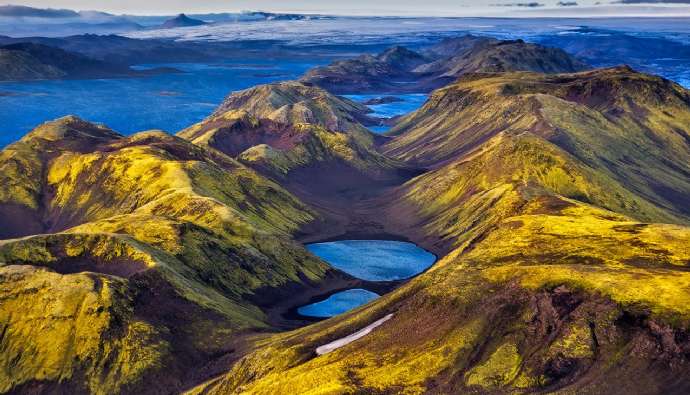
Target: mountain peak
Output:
{"points": [[401, 57], [295, 102], [182, 20], [71, 132]]}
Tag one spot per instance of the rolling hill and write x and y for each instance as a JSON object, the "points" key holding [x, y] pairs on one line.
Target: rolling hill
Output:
{"points": [[32, 61], [557, 203], [584, 114]]}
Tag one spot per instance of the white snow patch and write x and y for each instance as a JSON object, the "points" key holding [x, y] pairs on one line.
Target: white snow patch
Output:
{"points": [[334, 345]]}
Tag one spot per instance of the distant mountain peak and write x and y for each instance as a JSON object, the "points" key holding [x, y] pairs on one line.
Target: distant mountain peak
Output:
{"points": [[181, 20]]}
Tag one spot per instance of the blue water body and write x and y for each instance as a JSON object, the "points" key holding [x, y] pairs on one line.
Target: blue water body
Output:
{"points": [[407, 104], [169, 101], [380, 129], [375, 260], [338, 303]]}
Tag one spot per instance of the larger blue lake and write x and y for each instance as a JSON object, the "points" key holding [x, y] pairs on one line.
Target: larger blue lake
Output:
{"points": [[372, 260], [375, 260]]}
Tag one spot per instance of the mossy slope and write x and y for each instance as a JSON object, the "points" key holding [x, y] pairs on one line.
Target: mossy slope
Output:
{"points": [[195, 243], [299, 134], [564, 302], [586, 115]]}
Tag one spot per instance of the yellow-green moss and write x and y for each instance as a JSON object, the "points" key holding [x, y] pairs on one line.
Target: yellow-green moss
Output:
{"points": [[502, 367]]}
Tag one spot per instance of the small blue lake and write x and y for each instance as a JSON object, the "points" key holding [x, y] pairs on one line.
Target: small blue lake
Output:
{"points": [[338, 303], [375, 260]]}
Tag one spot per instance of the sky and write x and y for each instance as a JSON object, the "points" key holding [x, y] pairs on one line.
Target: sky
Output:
{"points": [[380, 7]]}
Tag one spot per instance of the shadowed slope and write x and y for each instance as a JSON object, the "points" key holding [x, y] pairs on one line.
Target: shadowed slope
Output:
{"points": [[368, 73], [25, 61], [507, 315], [493, 56]]}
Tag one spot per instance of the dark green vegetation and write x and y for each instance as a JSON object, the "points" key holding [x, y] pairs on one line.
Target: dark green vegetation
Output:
{"points": [[401, 70], [119, 50], [557, 203]]}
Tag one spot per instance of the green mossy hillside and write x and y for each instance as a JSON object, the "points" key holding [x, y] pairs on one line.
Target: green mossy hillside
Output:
{"points": [[457, 203], [292, 102], [626, 126], [196, 243], [296, 131], [76, 331], [561, 298], [564, 267]]}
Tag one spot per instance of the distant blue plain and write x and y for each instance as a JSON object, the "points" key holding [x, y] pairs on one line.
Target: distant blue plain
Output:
{"points": [[375, 260], [338, 303]]}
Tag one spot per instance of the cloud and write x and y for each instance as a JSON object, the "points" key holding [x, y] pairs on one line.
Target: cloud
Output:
{"points": [[18, 11]]}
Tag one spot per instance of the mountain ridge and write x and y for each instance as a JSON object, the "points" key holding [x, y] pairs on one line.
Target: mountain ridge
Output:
{"points": [[399, 69], [25, 61]]}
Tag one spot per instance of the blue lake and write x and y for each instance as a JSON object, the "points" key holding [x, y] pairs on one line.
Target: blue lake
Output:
{"points": [[168, 101], [375, 260], [407, 103], [338, 303]]}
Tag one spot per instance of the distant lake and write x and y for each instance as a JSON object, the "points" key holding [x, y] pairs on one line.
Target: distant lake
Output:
{"points": [[127, 105], [338, 303], [375, 260], [405, 103]]}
